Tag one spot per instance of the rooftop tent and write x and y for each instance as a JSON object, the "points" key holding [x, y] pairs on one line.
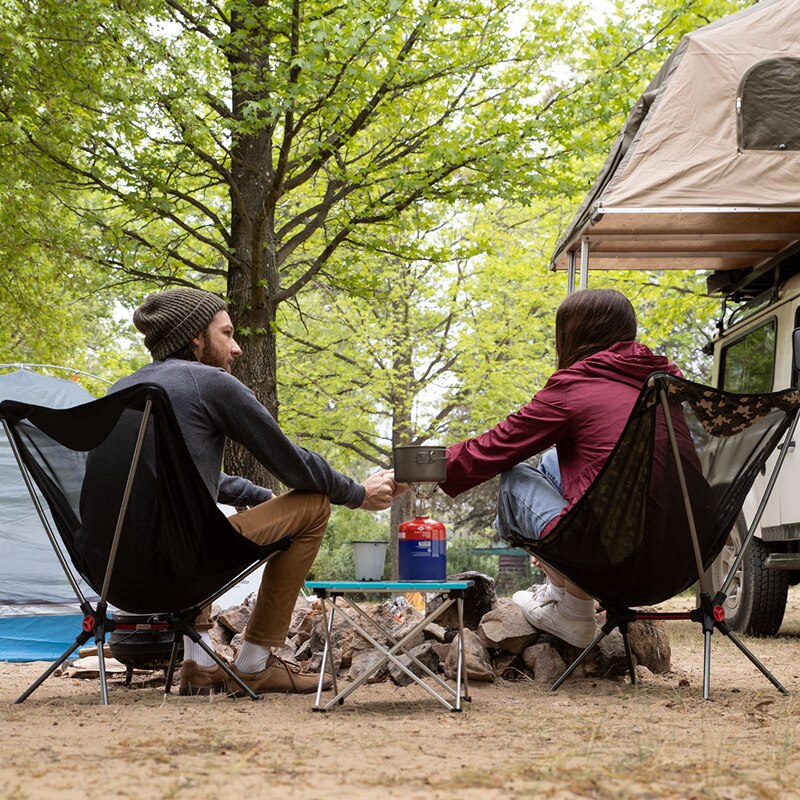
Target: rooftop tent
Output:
{"points": [[38, 611], [705, 172]]}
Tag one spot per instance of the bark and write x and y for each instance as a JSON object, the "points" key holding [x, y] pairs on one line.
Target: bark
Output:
{"points": [[253, 275], [404, 507]]}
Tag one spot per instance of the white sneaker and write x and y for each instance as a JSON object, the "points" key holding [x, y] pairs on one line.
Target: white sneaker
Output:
{"points": [[535, 596], [549, 617]]}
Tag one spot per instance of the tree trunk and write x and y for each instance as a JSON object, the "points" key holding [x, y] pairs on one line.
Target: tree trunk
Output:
{"points": [[253, 276], [404, 392]]}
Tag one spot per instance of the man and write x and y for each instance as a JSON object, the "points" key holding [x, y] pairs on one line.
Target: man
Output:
{"points": [[190, 337]]}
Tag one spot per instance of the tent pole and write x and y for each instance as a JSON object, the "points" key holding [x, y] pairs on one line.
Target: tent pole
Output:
{"points": [[43, 517], [570, 272], [584, 264]]}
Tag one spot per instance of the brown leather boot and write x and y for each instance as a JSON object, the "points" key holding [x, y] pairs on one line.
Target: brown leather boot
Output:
{"points": [[278, 676], [197, 679]]}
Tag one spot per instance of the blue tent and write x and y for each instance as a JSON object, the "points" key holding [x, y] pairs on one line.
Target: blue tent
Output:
{"points": [[39, 614]]}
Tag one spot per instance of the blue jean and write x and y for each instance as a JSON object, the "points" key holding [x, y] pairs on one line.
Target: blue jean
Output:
{"points": [[529, 498]]}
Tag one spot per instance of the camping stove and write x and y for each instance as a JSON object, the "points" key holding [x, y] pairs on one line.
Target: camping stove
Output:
{"points": [[142, 641]]}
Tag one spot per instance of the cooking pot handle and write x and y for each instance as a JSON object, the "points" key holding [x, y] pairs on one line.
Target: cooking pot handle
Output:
{"points": [[430, 456]]}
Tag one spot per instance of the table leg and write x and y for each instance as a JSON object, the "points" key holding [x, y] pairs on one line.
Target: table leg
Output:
{"points": [[327, 653]]}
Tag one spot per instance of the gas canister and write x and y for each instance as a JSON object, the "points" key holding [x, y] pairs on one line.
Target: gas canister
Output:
{"points": [[421, 546]]}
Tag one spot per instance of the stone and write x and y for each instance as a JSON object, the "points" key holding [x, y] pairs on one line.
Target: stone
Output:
{"points": [[364, 660], [287, 652], [220, 636], [435, 631], [340, 627], [477, 661], [351, 642], [545, 662], [505, 628], [479, 599], [304, 651], [234, 618], [508, 666], [235, 646], [441, 649], [314, 664], [650, 645], [304, 616], [425, 653]]}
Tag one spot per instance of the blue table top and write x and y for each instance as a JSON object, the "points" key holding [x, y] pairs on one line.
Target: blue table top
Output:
{"points": [[388, 586]]}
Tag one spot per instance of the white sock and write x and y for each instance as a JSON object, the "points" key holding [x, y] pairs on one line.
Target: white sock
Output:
{"points": [[252, 657], [577, 607], [555, 592], [193, 652]]}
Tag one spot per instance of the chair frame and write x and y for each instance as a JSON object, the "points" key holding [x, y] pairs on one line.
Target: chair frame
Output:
{"points": [[96, 621], [710, 612]]}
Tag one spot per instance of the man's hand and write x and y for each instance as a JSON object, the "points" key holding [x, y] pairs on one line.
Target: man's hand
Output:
{"points": [[379, 490]]}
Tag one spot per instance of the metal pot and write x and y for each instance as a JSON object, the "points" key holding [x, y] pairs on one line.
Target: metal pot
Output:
{"points": [[420, 464]]}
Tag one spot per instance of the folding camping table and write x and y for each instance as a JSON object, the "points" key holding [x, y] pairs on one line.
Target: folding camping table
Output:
{"points": [[451, 696]]}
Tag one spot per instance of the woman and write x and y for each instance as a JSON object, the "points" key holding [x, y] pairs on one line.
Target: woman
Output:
{"points": [[582, 411]]}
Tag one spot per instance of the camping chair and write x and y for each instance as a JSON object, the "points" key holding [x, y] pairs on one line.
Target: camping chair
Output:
{"points": [[144, 533], [660, 510]]}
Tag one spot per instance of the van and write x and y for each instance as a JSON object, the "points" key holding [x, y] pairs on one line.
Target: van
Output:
{"points": [[753, 353]]}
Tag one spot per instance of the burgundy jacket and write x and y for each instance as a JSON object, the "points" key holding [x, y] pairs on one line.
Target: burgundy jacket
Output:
{"points": [[582, 410]]}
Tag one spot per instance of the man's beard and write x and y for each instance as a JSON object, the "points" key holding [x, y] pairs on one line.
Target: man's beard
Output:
{"points": [[216, 356]]}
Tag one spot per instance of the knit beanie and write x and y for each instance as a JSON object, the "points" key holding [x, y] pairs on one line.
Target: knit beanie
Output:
{"points": [[170, 320]]}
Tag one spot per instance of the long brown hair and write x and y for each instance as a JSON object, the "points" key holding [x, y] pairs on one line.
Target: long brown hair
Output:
{"points": [[592, 320]]}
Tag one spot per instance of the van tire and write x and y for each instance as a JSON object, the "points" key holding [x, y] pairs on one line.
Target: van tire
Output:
{"points": [[757, 596]]}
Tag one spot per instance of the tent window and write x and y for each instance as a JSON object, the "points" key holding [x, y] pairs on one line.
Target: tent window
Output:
{"points": [[768, 106]]}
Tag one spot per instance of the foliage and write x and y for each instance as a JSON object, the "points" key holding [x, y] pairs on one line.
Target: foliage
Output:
{"points": [[334, 560]]}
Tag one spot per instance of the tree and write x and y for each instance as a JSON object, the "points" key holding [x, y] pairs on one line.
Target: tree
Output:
{"points": [[244, 144], [450, 333]]}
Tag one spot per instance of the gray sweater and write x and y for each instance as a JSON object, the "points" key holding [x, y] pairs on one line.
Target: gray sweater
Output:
{"points": [[211, 405]]}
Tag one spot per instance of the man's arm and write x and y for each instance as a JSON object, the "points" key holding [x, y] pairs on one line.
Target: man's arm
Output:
{"points": [[236, 491], [236, 412]]}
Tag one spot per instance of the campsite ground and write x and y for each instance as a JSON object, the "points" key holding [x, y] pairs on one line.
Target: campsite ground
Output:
{"points": [[592, 739]]}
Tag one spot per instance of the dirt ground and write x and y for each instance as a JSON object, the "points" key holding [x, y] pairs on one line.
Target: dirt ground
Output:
{"points": [[591, 739]]}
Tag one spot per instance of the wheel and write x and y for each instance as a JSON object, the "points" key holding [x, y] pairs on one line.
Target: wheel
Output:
{"points": [[756, 598]]}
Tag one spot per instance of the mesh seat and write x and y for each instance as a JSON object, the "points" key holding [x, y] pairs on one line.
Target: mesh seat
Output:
{"points": [[660, 510], [141, 528]]}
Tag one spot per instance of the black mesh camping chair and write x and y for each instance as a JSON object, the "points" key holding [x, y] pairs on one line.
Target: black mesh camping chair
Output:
{"points": [[138, 523], [661, 508]]}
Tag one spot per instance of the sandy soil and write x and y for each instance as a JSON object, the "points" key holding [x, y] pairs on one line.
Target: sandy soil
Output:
{"points": [[591, 739]]}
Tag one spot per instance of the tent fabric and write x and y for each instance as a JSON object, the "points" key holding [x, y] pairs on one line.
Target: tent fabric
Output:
{"points": [[31, 578], [677, 174], [37, 638], [627, 541], [177, 548], [686, 152]]}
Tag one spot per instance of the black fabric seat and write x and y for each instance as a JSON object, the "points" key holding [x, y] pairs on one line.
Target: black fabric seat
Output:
{"points": [[144, 531], [660, 510]]}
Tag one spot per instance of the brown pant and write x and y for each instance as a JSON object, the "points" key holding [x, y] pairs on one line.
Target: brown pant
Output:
{"points": [[302, 515]]}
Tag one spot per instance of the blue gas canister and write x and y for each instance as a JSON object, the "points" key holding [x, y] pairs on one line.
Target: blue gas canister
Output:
{"points": [[421, 544]]}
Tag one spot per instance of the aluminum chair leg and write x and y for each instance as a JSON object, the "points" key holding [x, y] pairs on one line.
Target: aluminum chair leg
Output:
{"points": [[753, 659], [707, 665], [80, 640], [173, 662], [196, 638], [574, 665], [623, 629]]}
